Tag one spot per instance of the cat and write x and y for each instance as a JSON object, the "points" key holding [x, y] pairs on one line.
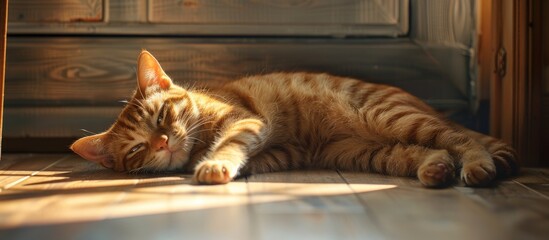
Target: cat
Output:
{"points": [[284, 121]]}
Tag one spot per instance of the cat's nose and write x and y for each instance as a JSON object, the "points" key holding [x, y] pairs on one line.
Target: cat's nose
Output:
{"points": [[160, 142]]}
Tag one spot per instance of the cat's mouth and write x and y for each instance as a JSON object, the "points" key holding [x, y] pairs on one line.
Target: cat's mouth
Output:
{"points": [[176, 155], [169, 154]]}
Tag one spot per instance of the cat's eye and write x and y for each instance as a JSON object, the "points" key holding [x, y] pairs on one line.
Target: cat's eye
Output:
{"points": [[160, 118], [135, 148], [160, 115]]}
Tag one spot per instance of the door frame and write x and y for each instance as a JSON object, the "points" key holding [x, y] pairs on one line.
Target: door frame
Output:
{"points": [[3, 37], [513, 74]]}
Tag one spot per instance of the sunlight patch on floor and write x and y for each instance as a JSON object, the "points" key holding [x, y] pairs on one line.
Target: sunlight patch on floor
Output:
{"points": [[156, 198]]}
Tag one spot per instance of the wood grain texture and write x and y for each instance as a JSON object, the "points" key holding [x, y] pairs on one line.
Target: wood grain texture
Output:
{"points": [[303, 18], [66, 197], [199, 30], [422, 213], [16, 170], [516, 206], [127, 11], [98, 194], [439, 22], [101, 70], [319, 205], [58, 121], [266, 12], [535, 179], [43, 190], [56, 11]]}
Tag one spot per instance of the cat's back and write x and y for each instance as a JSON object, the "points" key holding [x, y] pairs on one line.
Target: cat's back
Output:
{"points": [[314, 103], [299, 85], [314, 94], [310, 94]]}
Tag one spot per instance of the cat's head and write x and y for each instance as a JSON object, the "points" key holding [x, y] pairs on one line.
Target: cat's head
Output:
{"points": [[155, 131]]}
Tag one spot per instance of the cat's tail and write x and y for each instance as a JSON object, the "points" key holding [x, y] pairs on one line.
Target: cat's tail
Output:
{"points": [[504, 156]]}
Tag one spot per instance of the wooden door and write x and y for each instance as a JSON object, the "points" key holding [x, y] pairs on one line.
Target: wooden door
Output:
{"points": [[514, 71]]}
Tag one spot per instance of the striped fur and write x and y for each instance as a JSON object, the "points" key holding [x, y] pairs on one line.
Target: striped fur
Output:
{"points": [[284, 121]]}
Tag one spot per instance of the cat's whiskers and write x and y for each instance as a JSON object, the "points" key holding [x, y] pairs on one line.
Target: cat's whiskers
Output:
{"points": [[136, 170], [199, 123], [196, 131], [191, 87], [192, 130], [195, 126], [187, 119], [196, 139], [149, 163], [159, 164], [200, 131], [137, 104], [140, 103], [209, 93], [144, 168], [116, 134], [88, 132]]}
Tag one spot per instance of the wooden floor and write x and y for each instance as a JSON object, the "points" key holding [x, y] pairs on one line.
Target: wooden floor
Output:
{"points": [[65, 197]]}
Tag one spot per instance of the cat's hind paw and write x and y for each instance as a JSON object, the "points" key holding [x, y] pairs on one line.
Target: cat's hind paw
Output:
{"points": [[437, 171], [478, 173], [214, 172]]}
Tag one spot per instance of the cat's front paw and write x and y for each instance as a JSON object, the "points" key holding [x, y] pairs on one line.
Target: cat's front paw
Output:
{"points": [[214, 172], [478, 173]]}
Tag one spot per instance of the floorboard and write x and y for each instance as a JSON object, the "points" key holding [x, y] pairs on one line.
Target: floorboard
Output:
{"points": [[17, 168], [319, 205], [66, 197], [411, 211], [521, 208], [535, 179]]}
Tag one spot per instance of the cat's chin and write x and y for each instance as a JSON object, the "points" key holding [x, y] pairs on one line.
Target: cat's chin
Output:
{"points": [[174, 160]]}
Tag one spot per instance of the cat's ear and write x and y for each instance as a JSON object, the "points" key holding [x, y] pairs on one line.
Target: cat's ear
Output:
{"points": [[150, 73], [92, 148]]}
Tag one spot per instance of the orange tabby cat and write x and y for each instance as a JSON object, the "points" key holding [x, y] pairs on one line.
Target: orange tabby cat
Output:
{"points": [[287, 121]]}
